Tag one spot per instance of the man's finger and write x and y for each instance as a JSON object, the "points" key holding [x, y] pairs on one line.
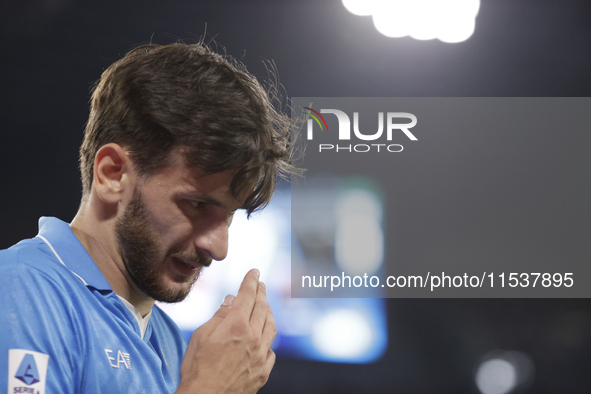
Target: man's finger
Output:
{"points": [[270, 330], [246, 296], [259, 312]]}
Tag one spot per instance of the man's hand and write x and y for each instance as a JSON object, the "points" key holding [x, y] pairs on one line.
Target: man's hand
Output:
{"points": [[231, 352]]}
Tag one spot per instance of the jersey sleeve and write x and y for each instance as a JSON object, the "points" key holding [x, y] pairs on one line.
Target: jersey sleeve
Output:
{"points": [[40, 335]]}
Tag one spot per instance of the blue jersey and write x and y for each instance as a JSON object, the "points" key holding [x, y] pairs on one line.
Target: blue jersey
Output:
{"points": [[63, 329]]}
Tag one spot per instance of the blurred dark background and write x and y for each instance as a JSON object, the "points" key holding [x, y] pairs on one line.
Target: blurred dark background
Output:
{"points": [[53, 50]]}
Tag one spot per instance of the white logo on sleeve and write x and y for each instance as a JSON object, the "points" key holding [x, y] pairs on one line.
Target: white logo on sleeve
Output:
{"points": [[121, 358], [27, 371]]}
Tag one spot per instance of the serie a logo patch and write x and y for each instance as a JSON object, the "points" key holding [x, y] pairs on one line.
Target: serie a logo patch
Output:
{"points": [[27, 371]]}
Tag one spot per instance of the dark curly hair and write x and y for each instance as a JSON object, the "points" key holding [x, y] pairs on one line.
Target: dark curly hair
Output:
{"points": [[158, 98]]}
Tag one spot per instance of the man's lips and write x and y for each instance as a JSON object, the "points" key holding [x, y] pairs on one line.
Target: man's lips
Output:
{"points": [[188, 262], [189, 266], [184, 266]]}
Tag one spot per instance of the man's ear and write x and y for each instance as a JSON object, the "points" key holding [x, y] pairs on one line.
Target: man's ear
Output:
{"points": [[113, 173]]}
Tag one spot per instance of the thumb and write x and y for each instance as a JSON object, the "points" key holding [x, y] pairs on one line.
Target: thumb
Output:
{"points": [[210, 326], [223, 311], [226, 305]]}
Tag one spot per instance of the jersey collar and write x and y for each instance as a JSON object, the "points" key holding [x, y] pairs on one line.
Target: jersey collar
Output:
{"points": [[71, 253]]}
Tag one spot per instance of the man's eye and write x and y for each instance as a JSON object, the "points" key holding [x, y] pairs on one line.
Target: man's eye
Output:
{"points": [[197, 204]]}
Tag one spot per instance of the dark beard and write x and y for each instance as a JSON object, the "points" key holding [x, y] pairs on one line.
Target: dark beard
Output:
{"points": [[139, 250]]}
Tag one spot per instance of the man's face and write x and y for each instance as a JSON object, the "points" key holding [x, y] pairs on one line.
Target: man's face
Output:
{"points": [[176, 223]]}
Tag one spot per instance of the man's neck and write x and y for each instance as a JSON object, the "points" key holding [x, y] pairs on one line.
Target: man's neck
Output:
{"points": [[100, 241]]}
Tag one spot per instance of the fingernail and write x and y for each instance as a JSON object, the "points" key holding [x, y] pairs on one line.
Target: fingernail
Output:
{"points": [[228, 300], [257, 272], [263, 284]]}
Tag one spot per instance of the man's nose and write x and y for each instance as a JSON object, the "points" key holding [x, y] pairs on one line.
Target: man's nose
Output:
{"points": [[211, 239]]}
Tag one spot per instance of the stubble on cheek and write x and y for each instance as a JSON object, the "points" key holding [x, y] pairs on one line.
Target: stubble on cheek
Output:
{"points": [[139, 249]]}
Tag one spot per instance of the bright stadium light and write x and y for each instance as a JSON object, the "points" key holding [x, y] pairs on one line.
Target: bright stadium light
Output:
{"points": [[449, 21], [496, 376], [343, 334], [361, 8], [502, 372]]}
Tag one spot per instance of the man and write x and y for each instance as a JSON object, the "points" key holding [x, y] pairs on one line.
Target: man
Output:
{"points": [[177, 140]]}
